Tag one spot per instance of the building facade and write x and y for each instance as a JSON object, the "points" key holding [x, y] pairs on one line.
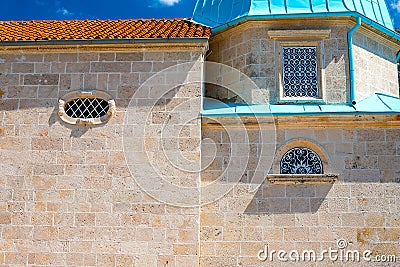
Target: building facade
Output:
{"points": [[259, 134]]}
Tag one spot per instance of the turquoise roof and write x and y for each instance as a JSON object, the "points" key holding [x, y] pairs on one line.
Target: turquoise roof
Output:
{"points": [[220, 13], [375, 104]]}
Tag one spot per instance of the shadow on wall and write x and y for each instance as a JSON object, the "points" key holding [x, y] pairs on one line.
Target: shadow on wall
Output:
{"points": [[398, 73], [287, 199], [375, 47], [41, 98], [76, 130]]}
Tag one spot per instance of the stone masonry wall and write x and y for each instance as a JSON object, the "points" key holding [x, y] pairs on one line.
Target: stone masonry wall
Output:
{"points": [[256, 55], [361, 207], [67, 197], [375, 66]]}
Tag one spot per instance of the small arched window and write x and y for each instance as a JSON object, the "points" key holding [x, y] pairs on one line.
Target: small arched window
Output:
{"points": [[301, 160], [86, 107]]}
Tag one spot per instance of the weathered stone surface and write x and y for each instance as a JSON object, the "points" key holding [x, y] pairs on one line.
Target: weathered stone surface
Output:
{"points": [[41, 79], [354, 210], [110, 67], [256, 55], [67, 196]]}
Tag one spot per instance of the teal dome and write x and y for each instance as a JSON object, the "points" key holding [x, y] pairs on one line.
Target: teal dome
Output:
{"points": [[217, 13]]}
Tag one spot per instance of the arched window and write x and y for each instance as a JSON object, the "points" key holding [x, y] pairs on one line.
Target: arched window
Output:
{"points": [[301, 160]]}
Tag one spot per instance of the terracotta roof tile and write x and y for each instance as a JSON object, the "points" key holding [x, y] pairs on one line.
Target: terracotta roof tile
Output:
{"points": [[99, 29]]}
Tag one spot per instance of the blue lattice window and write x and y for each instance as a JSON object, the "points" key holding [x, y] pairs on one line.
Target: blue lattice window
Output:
{"points": [[300, 72], [300, 160]]}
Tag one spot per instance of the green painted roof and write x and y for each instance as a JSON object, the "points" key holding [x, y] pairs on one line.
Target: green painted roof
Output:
{"points": [[221, 13], [375, 104]]}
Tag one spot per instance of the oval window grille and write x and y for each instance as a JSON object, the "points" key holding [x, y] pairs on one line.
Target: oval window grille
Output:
{"points": [[86, 107], [300, 160]]}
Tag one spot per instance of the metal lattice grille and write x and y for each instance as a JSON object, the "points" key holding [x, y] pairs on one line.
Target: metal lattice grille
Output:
{"points": [[86, 108], [300, 160], [300, 72]]}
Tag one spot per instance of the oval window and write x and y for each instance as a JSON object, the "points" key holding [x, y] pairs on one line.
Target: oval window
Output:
{"points": [[86, 107]]}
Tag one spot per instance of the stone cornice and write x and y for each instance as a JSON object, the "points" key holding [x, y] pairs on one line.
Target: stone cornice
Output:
{"points": [[305, 24], [185, 44], [298, 34], [301, 122]]}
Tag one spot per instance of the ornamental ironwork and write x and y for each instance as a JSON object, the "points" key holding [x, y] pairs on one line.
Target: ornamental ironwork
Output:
{"points": [[300, 72], [86, 108], [300, 160]]}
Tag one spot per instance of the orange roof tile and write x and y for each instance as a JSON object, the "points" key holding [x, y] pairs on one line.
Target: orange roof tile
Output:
{"points": [[99, 29]]}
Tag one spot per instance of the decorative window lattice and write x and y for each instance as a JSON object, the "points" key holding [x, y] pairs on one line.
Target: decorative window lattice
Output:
{"points": [[300, 160], [300, 78], [86, 108]]}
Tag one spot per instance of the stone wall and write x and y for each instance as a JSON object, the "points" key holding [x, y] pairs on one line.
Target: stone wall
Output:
{"points": [[375, 66], [360, 207], [67, 196], [250, 49], [72, 195]]}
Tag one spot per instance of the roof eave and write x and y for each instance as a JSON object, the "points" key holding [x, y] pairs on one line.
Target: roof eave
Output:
{"points": [[365, 20], [106, 41], [316, 114]]}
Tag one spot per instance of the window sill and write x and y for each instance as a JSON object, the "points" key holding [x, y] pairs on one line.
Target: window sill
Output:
{"points": [[329, 178], [284, 101]]}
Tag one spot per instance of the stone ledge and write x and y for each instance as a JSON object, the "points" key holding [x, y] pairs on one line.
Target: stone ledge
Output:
{"points": [[328, 178], [299, 34], [285, 122], [120, 45]]}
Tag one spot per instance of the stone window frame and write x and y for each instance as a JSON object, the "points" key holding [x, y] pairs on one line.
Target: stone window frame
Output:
{"points": [[326, 177], [86, 94], [300, 38]]}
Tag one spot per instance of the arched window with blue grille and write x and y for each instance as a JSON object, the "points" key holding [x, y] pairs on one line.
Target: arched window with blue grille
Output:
{"points": [[301, 160]]}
